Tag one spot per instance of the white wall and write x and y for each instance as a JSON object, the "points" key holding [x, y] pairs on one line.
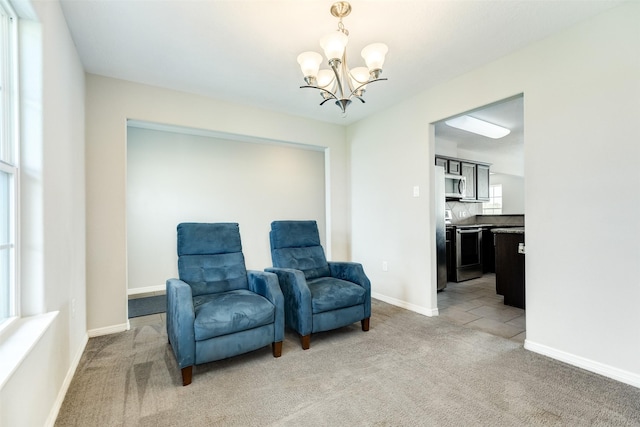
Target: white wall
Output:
{"points": [[176, 177], [508, 161], [512, 192], [110, 103], [581, 94], [390, 155], [52, 215]]}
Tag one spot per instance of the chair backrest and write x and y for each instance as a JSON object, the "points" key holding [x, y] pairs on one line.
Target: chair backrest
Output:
{"points": [[296, 244], [210, 257]]}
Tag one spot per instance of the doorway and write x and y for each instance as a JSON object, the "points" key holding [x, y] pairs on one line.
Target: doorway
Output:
{"points": [[473, 301]]}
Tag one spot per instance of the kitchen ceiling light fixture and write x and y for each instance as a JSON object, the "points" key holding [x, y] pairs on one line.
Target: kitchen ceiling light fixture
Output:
{"points": [[340, 83], [471, 124]]}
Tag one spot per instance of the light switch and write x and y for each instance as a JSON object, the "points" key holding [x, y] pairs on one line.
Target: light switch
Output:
{"points": [[416, 191]]}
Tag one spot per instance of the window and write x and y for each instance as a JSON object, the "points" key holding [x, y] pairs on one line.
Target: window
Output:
{"points": [[8, 165], [494, 205]]}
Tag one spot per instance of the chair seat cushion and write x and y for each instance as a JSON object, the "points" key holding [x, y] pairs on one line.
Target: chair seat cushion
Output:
{"points": [[329, 293], [229, 312]]}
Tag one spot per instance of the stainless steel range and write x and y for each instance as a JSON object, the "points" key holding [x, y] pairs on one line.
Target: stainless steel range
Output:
{"points": [[468, 252]]}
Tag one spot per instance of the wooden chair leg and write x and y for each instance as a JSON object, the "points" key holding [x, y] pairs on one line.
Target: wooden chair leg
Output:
{"points": [[186, 375], [277, 348], [365, 324], [306, 341]]}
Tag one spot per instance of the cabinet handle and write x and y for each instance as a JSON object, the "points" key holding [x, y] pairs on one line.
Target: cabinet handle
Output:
{"points": [[462, 187], [468, 231]]}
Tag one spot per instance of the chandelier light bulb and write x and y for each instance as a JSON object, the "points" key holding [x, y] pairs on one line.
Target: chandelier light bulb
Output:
{"points": [[309, 63], [374, 54], [325, 78], [334, 44], [359, 76]]}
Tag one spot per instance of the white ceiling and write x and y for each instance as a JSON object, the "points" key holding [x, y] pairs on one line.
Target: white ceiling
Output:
{"points": [[245, 51]]}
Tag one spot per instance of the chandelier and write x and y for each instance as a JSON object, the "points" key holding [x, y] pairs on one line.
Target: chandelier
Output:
{"points": [[340, 83]]}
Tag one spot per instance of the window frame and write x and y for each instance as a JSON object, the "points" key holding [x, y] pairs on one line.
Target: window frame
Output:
{"points": [[489, 208], [9, 150]]}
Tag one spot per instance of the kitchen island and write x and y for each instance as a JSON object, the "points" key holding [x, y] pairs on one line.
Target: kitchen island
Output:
{"points": [[509, 262]]}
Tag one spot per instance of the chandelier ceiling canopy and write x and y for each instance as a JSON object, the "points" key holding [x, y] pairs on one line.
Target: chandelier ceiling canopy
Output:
{"points": [[339, 83]]}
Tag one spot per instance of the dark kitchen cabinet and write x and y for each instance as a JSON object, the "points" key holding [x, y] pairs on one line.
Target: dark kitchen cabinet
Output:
{"points": [[488, 251], [469, 172], [510, 268], [454, 167], [476, 174], [482, 182], [450, 255], [450, 165]]}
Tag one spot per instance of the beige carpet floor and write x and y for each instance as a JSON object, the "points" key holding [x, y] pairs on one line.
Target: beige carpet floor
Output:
{"points": [[408, 370]]}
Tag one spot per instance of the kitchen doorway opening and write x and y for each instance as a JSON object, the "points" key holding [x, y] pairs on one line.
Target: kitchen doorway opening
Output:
{"points": [[493, 202]]}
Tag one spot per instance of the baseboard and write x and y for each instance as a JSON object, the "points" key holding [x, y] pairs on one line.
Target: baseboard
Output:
{"points": [[587, 364], [108, 330], [55, 410], [403, 304], [146, 290]]}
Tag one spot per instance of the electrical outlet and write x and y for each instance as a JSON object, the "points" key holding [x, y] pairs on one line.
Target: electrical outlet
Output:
{"points": [[416, 191], [385, 266]]}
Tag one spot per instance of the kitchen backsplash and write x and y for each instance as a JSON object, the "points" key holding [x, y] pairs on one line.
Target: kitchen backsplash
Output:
{"points": [[463, 211], [471, 213]]}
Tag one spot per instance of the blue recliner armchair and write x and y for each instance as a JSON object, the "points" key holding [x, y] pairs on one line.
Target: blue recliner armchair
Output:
{"points": [[318, 295], [218, 309]]}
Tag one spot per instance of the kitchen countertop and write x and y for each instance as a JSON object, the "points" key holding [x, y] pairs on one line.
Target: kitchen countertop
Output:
{"points": [[510, 230], [471, 225], [480, 225], [487, 221]]}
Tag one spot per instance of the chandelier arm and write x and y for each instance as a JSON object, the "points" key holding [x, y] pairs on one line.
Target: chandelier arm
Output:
{"points": [[352, 95], [331, 94], [346, 74], [337, 74]]}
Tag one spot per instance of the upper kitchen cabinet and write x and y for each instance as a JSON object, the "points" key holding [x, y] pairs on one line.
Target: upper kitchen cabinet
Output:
{"points": [[451, 166], [454, 167], [469, 172], [476, 174], [482, 187]]}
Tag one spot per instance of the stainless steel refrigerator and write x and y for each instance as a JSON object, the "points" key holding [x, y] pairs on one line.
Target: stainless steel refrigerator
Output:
{"points": [[441, 248]]}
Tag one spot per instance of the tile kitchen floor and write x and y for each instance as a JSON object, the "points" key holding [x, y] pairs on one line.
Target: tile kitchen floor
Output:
{"points": [[150, 319], [475, 304]]}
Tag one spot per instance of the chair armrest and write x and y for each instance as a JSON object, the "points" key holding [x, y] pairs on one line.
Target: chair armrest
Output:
{"points": [[266, 284], [350, 271], [353, 272], [297, 298], [180, 319]]}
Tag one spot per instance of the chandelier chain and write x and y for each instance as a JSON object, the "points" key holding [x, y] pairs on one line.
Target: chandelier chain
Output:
{"points": [[342, 29]]}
